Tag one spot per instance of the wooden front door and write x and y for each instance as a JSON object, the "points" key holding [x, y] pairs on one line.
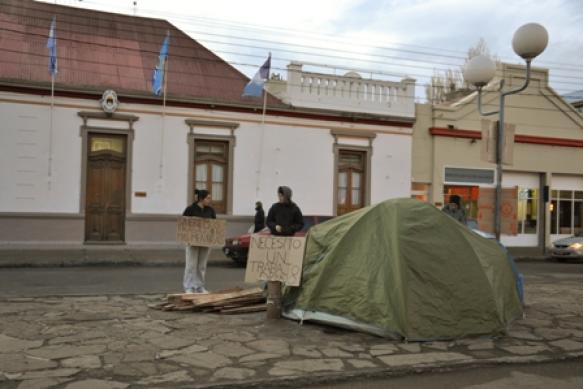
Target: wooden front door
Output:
{"points": [[351, 181], [106, 188]]}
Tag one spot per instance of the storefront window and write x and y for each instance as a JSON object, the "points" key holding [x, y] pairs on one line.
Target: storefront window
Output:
{"points": [[469, 195], [578, 212], [554, 214], [566, 212], [527, 207], [527, 210]]}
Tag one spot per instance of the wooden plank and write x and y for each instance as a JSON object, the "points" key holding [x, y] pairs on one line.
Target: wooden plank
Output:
{"points": [[176, 298], [238, 301], [210, 309], [234, 298], [183, 308], [157, 306], [212, 297], [247, 309]]}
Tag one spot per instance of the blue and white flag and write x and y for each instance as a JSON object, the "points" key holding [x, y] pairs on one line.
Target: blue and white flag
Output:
{"points": [[52, 46], [158, 76], [255, 86]]}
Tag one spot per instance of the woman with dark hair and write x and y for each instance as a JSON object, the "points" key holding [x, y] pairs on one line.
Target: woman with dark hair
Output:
{"points": [[197, 256], [285, 217]]}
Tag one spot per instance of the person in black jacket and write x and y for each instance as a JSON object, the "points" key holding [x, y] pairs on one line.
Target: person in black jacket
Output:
{"points": [[285, 217], [455, 209], [259, 217], [197, 256]]}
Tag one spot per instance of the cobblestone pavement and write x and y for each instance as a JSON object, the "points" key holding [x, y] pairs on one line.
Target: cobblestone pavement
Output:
{"points": [[117, 342]]}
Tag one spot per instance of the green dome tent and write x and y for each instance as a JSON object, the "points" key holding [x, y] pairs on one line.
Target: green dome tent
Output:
{"points": [[404, 269]]}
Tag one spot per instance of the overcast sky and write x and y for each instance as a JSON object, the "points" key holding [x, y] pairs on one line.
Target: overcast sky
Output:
{"points": [[389, 38]]}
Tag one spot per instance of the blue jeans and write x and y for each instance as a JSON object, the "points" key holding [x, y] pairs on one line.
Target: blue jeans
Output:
{"points": [[195, 267]]}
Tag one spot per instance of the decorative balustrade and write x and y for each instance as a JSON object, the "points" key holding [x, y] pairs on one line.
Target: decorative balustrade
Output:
{"points": [[349, 92]]}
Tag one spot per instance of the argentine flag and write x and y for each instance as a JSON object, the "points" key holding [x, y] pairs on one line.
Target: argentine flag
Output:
{"points": [[158, 76], [255, 86], [52, 46]]}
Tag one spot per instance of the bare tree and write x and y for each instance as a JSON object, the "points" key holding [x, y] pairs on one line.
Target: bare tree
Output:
{"points": [[449, 84]]}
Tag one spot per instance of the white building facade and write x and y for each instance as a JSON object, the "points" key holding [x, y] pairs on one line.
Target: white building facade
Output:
{"points": [[48, 177], [75, 172]]}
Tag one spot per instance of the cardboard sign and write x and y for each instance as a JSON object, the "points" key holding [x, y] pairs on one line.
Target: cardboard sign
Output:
{"points": [[196, 231], [490, 139], [509, 210], [275, 258]]}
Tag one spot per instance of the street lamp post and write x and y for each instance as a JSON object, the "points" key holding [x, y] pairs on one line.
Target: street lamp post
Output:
{"points": [[528, 42]]}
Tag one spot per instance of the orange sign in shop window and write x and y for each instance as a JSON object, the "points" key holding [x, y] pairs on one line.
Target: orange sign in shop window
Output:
{"points": [[467, 193]]}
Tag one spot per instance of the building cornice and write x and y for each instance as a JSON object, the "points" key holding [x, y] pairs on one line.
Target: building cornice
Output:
{"points": [[528, 139], [284, 111]]}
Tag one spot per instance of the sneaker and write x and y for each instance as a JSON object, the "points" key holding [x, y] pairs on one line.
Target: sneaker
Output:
{"points": [[201, 290], [189, 290]]}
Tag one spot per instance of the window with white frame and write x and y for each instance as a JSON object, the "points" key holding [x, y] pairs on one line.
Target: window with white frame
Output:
{"points": [[528, 211], [566, 212]]}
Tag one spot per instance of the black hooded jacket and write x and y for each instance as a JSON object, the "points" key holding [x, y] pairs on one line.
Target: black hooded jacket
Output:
{"points": [[195, 210], [287, 215]]}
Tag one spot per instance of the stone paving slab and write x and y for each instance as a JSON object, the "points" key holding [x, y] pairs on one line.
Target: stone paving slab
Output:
{"points": [[117, 342]]}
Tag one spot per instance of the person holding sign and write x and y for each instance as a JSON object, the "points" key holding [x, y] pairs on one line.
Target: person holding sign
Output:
{"points": [[285, 217], [197, 256]]}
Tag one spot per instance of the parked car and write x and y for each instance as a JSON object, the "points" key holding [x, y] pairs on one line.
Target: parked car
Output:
{"points": [[568, 248], [237, 248]]}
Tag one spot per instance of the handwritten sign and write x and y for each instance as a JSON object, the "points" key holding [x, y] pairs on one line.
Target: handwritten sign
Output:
{"points": [[197, 231], [486, 204], [275, 258]]}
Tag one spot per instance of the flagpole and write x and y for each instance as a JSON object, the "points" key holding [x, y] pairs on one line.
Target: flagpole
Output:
{"points": [[163, 118], [261, 140], [264, 107], [250, 89], [260, 163], [51, 45], [50, 167]]}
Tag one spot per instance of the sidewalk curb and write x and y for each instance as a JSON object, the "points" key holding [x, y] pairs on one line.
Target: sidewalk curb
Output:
{"points": [[121, 263], [55, 258], [377, 373]]}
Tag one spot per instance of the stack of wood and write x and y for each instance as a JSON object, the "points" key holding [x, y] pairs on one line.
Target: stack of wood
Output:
{"points": [[228, 301]]}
